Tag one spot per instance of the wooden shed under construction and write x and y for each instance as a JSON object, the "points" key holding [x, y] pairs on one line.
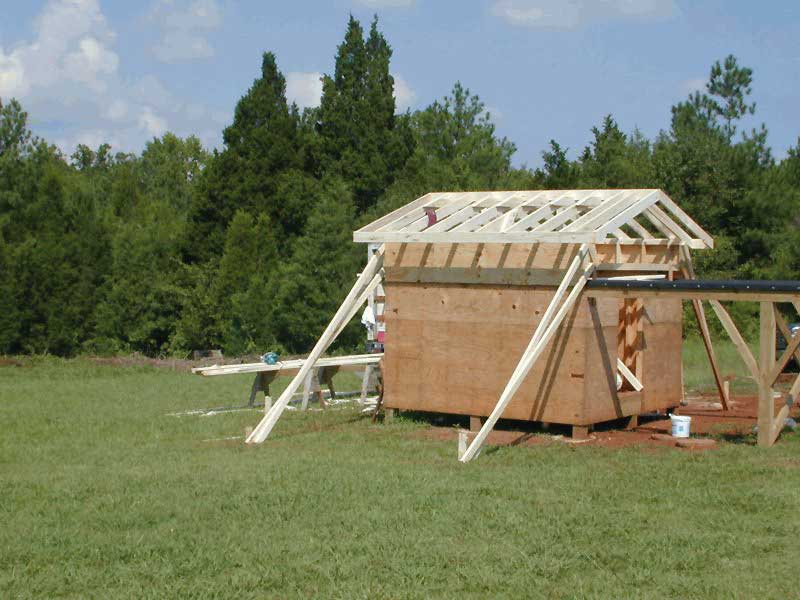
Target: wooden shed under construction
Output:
{"points": [[469, 277], [562, 306]]}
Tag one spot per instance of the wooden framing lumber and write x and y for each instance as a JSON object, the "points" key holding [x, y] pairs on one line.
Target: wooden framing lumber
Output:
{"points": [[736, 338], [791, 348], [778, 423], [700, 314], [565, 216], [547, 327], [289, 366], [263, 429], [766, 402], [783, 327], [627, 374]]}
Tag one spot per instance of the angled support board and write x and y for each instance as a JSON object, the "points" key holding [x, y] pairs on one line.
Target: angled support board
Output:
{"points": [[551, 320], [736, 338], [700, 314], [626, 373], [372, 269]]}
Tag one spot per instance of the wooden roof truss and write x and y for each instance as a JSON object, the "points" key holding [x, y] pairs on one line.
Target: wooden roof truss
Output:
{"points": [[563, 216]]}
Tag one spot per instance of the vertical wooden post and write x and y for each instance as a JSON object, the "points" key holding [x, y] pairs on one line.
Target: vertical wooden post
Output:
{"points": [[475, 424], [580, 432], [766, 403]]}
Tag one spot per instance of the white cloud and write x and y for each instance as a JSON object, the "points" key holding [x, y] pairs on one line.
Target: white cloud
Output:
{"points": [[404, 96], [154, 125], [561, 14], [184, 26], [67, 78], [387, 3], [304, 88], [71, 45]]}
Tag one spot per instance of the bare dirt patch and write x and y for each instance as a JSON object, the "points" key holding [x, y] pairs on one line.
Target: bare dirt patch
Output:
{"points": [[725, 426]]}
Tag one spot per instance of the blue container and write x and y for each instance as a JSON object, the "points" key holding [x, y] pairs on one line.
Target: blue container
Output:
{"points": [[270, 358]]}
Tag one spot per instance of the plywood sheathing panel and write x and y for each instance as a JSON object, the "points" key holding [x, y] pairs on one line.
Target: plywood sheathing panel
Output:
{"points": [[454, 347]]}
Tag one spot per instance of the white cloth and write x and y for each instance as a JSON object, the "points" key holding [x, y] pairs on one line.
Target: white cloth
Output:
{"points": [[368, 317]]}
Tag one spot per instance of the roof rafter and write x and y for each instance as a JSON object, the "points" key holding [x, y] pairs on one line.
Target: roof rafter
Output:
{"points": [[559, 216]]}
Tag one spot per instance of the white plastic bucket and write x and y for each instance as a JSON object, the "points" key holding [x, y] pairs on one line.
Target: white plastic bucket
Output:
{"points": [[680, 426]]}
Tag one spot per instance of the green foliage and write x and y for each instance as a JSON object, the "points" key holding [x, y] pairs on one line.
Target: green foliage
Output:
{"points": [[260, 145], [319, 275], [360, 137], [249, 248], [455, 148]]}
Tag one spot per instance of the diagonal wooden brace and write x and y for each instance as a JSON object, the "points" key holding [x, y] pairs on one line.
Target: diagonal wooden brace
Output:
{"points": [[346, 311], [551, 320]]}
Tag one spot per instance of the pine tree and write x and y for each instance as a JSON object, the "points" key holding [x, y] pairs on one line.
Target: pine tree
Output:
{"points": [[320, 273], [260, 144], [360, 141]]}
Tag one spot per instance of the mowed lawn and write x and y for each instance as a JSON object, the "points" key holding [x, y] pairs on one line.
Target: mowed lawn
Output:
{"points": [[105, 495]]}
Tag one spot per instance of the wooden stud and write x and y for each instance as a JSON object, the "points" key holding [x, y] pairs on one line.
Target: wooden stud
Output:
{"points": [[629, 376], [475, 424]]}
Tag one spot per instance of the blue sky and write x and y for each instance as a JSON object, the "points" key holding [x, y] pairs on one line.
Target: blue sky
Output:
{"points": [[90, 71]]}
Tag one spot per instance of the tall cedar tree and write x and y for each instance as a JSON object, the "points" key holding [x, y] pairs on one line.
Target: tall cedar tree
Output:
{"points": [[360, 140], [261, 144]]}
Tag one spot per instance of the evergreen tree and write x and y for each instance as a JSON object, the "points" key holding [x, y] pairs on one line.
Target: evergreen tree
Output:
{"points": [[455, 148], [260, 144], [359, 138], [321, 272]]}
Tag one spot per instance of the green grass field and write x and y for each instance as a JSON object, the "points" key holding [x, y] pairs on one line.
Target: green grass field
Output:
{"points": [[105, 496]]}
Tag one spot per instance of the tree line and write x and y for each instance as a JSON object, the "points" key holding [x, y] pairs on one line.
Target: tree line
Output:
{"points": [[249, 248]]}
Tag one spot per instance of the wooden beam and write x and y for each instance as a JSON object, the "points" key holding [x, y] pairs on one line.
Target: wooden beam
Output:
{"points": [[264, 428], [732, 296], [700, 314], [766, 402], [626, 373], [545, 330], [628, 213], [783, 327], [686, 220], [779, 422], [737, 339], [791, 347]]}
